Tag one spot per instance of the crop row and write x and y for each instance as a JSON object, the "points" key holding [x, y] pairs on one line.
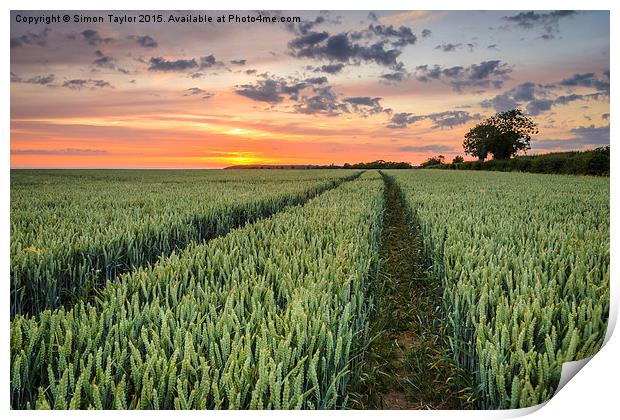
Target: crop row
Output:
{"points": [[72, 231], [272, 315], [524, 261]]}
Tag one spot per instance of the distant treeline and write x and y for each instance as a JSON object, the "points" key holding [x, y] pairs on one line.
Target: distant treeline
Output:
{"points": [[591, 162], [377, 164], [283, 167]]}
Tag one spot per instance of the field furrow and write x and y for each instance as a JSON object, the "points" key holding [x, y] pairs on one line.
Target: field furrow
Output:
{"points": [[72, 231], [524, 260]]}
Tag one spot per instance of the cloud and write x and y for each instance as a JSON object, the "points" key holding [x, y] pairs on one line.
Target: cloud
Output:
{"points": [[35, 80], [538, 106], [486, 74], [238, 62], [323, 101], [379, 44], [316, 80], [587, 80], [531, 19], [330, 68], [583, 137], [181, 65], [208, 61], [538, 98], [449, 119], [487, 69], [403, 119], [197, 91], [41, 80], [265, 90], [31, 38], [94, 38], [448, 47], [364, 105], [566, 99], [592, 134], [304, 27], [92, 84], [363, 100], [549, 23], [66, 152], [426, 33], [339, 48], [107, 62], [194, 91], [398, 76], [524, 92], [293, 89], [397, 37], [308, 40], [146, 41], [309, 96], [512, 98], [501, 103], [446, 119], [103, 60]]}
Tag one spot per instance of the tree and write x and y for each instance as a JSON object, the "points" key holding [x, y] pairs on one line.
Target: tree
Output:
{"points": [[458, 159], [502, 135], [435, 160]]}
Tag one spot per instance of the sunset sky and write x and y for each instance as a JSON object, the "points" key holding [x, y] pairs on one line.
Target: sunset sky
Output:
{"points": [[337, 87]]}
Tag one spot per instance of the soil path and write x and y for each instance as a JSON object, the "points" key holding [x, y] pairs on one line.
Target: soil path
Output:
{"points": [[407, 367]]}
